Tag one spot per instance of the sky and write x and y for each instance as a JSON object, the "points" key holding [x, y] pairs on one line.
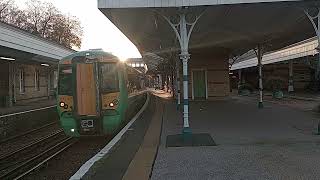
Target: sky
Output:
{"points": [[98, 31]]}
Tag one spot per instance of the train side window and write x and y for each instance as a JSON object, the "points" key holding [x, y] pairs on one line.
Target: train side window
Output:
{"points": [[65, 80], [109, 77]]}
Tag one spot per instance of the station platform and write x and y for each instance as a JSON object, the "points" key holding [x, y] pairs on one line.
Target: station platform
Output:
{"points": [[276, 142], [271, 143], [27, 106]]}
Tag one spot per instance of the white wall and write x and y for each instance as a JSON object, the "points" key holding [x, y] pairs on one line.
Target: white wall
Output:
{"points": [[14, 38], [172, 3]]}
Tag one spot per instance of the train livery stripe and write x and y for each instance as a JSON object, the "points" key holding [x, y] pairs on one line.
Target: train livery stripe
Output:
{"points": [[85, 167]]}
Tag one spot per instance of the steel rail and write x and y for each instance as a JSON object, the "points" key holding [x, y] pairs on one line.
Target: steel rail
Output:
{"points": [[5, 156], [28, 132], [45, 160], [24, 165]]}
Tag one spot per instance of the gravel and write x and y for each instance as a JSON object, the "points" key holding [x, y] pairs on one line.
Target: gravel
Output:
{"points": [[19, 142], [68, 162]]}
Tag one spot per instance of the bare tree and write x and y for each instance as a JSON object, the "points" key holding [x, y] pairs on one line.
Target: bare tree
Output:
{"points": [[5, 6], [43, 19], [40, 17], [67, 31], [16, 17]]}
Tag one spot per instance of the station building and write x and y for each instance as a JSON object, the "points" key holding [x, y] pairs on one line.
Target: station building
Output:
{"points": [[293, 66], [205, 34], [28, 66], [138, 64], [208, 74]]}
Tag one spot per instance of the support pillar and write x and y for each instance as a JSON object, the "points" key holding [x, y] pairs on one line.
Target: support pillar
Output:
{"points": [[183, 34], [178, 84], [49, 81], [259, 56], [239, 78], [290, 86], [315, 21], [11, 85], [185, 57]]}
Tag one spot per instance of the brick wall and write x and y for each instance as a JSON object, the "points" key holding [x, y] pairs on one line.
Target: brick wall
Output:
{"points": [[216, 64], [302, 75], [31, 92]]}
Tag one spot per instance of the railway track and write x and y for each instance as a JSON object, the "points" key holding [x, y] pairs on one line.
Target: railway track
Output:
{"points": [[28, 132], [17, 164]]}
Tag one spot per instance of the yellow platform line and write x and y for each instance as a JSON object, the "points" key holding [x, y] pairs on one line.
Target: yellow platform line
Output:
{"points": [[141, 166]]}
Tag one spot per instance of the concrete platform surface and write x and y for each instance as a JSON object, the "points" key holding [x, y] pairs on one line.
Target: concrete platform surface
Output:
{"points": [[276, 142], [28, 106]]}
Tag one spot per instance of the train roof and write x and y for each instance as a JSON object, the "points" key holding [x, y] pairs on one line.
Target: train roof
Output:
{"points": [[92, 54]]}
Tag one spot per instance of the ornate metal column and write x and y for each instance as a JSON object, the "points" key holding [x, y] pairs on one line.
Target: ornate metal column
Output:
{"points": [[259, 54], [315, 21], [239, 78], [178, 84], [290, 86], [183, 34]]}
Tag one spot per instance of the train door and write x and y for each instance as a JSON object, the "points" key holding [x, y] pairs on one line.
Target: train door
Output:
{"points": [[86, 90]]}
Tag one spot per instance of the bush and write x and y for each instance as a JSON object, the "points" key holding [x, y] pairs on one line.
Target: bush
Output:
{"points": [[245, 89]]}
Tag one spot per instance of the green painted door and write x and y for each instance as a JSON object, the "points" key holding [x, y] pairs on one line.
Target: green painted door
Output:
{"points": [[199, 84]]}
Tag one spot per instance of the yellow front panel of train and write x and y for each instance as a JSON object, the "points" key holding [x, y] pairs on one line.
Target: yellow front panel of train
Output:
{"points": [[110, 100], [65, 103]]}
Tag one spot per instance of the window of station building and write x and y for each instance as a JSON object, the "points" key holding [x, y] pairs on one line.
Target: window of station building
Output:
{"points": [[22, 87], [133, 64], [37, 80]]}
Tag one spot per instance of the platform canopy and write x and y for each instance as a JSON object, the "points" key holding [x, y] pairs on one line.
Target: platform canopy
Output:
{"points": [[234, 25], [26, 47]]}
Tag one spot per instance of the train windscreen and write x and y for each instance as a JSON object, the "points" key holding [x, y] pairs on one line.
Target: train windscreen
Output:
{"points": [[109, 77], [65, 80]]}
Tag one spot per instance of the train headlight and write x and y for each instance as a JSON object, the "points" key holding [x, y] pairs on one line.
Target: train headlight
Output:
{"points": [[72, 130], [115, 102], [111, 104], [62, 104]]}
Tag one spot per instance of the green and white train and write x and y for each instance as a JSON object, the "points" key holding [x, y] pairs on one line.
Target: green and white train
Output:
{"points": [[96, 92]]}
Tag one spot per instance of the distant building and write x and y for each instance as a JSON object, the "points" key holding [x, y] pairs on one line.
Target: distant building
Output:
{"points": [[138, 64]]}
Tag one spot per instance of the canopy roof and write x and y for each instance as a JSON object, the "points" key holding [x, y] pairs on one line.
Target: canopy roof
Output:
{"points": [[236, 28], [24, 46]]}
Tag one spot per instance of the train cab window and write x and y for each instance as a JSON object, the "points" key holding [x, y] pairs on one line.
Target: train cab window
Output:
{"points": [[109, 77], [65, 80]]}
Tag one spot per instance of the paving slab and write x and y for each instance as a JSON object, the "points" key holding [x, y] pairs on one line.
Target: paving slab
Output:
{"points": [[276, 142]]}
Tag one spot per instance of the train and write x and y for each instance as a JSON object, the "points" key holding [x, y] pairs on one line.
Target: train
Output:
{"points": [[96, 92]]}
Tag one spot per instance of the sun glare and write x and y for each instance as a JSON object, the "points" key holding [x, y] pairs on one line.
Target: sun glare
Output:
{"points": [[123, 59]]}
